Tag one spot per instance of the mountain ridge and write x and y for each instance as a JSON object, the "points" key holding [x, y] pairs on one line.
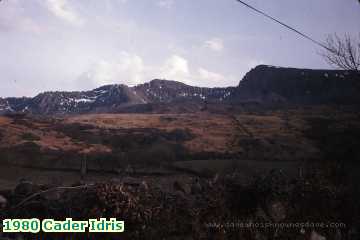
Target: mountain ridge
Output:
{"points": [[263, 84], [112, 98]]}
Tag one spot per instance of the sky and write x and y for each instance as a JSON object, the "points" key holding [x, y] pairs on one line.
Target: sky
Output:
{"points": [[73, 45]]}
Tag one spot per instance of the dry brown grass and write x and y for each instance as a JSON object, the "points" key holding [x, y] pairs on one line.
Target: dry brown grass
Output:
{"points": [[266, 126], [49, 139], [273, 134], [212, 132], [4, 121]]}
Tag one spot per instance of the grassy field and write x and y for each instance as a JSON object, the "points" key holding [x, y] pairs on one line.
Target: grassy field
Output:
{"points": [[200, 142]]}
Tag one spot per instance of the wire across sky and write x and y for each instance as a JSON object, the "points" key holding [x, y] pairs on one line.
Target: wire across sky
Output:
{"points": [[284, 25]]}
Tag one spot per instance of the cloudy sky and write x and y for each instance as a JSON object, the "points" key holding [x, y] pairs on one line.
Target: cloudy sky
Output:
{"points": [[82, 44]]}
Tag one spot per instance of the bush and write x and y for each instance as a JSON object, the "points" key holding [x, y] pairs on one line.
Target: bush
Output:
{"points": [[157, 154], [180, 135], [30, 137]]}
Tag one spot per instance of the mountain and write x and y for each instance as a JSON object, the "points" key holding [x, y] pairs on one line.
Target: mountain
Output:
{"points": [[115, 98], [164, 91], [269, 84], [262, 85]]}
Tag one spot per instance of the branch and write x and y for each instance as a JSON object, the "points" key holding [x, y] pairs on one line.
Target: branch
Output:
{"points": [[342, 53], [50, 190]]}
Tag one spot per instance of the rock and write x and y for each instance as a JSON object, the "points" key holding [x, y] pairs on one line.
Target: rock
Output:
{"points": [[316, 236], [3, 202]]}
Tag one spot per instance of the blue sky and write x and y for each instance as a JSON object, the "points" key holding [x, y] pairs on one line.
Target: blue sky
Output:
{"points": [[82, 44]]}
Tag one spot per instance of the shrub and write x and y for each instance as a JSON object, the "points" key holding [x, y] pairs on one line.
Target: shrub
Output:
{"points": [[30, 137], [157, 154]]}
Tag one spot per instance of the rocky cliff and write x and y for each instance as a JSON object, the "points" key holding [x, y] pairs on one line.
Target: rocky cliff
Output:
{"points": [[269, 84]]}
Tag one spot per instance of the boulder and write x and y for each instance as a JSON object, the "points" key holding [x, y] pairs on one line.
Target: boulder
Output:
{"points": [[3, 202]]}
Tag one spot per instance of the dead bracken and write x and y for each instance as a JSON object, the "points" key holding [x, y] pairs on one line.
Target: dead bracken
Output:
{"points": [[216, 210]]}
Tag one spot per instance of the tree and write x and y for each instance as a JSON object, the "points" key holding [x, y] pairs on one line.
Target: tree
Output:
{"points": [[343, 53]]}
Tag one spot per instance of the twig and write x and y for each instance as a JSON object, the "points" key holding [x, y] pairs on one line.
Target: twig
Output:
{"points": [[50, 190]]}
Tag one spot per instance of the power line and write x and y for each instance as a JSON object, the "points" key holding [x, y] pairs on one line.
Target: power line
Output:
{"points": [[284, 25]]}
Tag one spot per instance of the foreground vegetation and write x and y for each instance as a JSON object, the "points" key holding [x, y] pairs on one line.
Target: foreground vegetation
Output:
{"points": [[222, 207]]}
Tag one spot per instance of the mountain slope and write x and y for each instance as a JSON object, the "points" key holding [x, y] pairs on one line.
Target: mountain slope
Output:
{"points": [[114, 98], [169, 91], [5, 106]]}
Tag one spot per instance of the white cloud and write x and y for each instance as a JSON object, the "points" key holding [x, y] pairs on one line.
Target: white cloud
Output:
{"points": [[210, 77], [214, 44], [175, 68], [166, 3], [128, 69], [131, 70], [63, 10]]}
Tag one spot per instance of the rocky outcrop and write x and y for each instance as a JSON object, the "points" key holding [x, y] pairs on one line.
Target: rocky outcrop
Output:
{"points": [[269, 84]]}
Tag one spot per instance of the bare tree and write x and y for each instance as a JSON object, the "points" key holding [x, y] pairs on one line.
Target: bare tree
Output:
{"points": [[343, 53]]}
